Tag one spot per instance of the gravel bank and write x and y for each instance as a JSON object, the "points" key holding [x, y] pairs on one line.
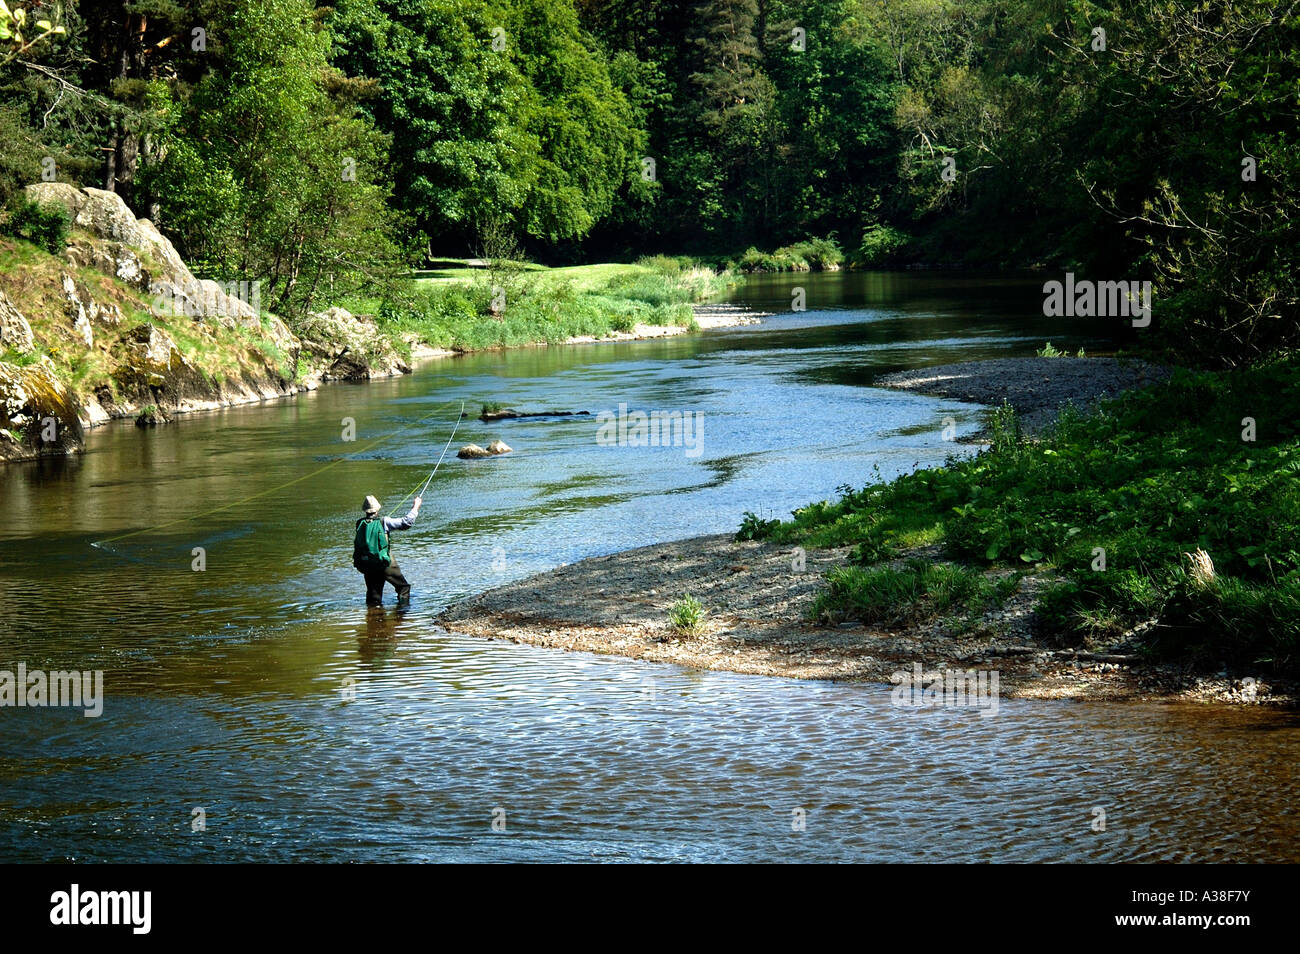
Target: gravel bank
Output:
{"points": [[756, 602], [1035, 387]]}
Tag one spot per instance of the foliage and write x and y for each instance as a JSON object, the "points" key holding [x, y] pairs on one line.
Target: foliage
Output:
{"points": [[881, 245], [686, 616], [22, 28], [814, 254], [1156, 474], [459, 313], [270, 174], [918, 590], [43, 225], [317, 148], [754, 527]]}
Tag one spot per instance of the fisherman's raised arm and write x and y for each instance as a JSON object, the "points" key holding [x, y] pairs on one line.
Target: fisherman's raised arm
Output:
{"points": [[404, 523]]}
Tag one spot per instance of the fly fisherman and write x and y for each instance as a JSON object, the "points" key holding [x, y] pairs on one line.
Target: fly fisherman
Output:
{"points": [[370, 551]]}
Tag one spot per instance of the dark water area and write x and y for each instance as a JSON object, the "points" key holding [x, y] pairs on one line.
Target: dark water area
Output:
{"points": [[262, 693]]}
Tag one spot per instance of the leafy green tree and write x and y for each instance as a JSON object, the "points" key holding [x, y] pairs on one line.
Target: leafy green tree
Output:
{"points": [[589, 145], [449, 101], [269, 173]]}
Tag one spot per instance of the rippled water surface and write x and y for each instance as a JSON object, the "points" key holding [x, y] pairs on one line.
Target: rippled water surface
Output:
{"points": [[262, 692]]}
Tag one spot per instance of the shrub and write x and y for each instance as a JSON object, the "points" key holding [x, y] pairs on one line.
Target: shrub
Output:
{"points": [[43, 225], [881, 245], [686, 616], [754, 527]]}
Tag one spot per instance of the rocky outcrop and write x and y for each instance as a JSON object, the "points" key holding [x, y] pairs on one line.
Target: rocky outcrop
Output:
{"points": [[344, 347], [83, 309], [154, 369], [164, 365], [134, 252], [15, 332], [38, 416]]}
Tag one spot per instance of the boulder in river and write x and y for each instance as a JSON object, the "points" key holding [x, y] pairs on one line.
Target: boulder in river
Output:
{"points": [[498, 447], [151, 416], [473, 452]]}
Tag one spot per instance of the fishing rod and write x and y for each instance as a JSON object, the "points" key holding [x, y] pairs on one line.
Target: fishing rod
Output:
{"points": [[441, 456], [99, 544], [445, 448]]}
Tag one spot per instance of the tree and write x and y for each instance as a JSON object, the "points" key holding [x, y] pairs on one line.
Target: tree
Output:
{"points": [[268, 172]]}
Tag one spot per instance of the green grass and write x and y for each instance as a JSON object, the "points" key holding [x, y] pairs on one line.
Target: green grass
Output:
{"points": [[919, 590], [1154, 475], [686, 616], [453, 307]]}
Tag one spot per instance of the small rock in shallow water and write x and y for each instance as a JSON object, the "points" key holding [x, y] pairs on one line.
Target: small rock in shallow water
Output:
{"points": [[499, 447], [151, 416]]}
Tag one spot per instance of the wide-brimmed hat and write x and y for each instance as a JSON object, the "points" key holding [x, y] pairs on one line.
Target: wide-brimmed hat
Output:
{"points": [[371, 506]]}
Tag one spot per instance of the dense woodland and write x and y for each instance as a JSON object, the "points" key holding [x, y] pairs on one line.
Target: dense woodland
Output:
{"points": [[326, 148]]}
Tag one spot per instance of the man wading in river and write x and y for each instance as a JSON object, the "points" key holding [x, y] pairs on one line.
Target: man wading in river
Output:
{"points": [[370, 551]]}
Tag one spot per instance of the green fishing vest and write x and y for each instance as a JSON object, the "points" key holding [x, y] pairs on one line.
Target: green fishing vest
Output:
{"points": [[370, 545]]}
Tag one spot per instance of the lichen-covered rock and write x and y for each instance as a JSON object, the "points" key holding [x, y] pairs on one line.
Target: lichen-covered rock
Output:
{"points": [[154, 367], [231, 300], [348, 366], [82, 306], [38, 415], [81, 328], [15, 332], [348, 346], [162, 250], [109, 258], [119, 245], [151, 415], [101, 213]]}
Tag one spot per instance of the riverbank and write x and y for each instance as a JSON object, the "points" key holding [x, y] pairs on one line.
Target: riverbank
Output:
{"points": [[990, 563], [756, 623], [117, 326], [1036, 388]]}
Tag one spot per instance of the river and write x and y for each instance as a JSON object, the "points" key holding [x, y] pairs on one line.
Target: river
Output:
{"points": [[254, 710]]}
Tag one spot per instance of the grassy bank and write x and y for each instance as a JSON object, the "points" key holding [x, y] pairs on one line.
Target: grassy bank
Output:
{"points": [[1170, 521], [879, 247], [810, 255], [465, 308]]}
